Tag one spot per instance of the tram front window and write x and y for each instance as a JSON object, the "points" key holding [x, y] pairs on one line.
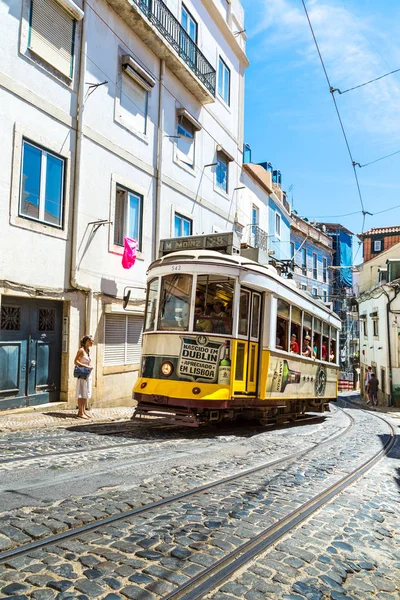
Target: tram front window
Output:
{"points": [[175, 295], [151, 304], [213, 304]]}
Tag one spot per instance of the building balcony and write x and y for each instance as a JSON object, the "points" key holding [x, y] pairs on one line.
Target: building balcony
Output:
{"points": [[161, 31], [255, 244]]}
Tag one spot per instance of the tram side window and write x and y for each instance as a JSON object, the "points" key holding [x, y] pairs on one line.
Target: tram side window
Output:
{"points": [[295, 330], [151, 305], [317, 350], [282, 325], [213, 304], [175, 296], [325, 341], [332, 350]]}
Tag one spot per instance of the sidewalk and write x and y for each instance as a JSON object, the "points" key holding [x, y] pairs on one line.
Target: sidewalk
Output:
{"points": [[49, 417], [354, 397]]}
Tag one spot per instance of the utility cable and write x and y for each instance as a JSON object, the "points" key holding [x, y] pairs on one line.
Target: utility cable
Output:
{"points": [[362, 84], [337, 111], [356, 164]]}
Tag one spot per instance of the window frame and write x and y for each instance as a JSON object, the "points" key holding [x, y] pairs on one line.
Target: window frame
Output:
{"points": [[377, 241], [183, 219], [304, 261], [324, 269], [221, 153], [45, 152], [125, 227], [183, 123], [223, 72], [278, 224], [125, 120], [315, 265], [113, 366], [189, 17]]}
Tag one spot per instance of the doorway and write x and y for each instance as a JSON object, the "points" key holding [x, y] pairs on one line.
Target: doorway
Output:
{"points": [[30, 351], [247, 345]]}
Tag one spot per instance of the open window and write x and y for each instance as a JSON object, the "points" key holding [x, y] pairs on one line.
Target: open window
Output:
{"points": [[317, 341], [295, 330], [282, 325], [175, 296], [213, 304]]}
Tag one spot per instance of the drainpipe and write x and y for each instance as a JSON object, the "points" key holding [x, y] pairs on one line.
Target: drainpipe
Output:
{"points": [[160, 136], [77, 174]]}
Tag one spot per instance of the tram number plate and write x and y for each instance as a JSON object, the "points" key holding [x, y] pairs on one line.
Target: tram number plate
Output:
{"points": [[176, 267]]}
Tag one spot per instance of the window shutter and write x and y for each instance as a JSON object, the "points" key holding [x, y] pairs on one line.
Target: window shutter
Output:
{"points": [[120, 200], [134, 339], [114, 340], [133, 103], [51, 35]]}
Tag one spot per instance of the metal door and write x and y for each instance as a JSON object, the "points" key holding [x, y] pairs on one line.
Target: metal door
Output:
{"points": [[30, 352]]}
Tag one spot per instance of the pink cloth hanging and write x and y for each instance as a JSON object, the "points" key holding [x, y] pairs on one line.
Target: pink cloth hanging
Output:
{"points": [[129, 255]]}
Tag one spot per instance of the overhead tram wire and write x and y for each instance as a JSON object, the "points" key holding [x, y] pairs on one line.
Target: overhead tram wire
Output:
{"points": [[366, 83], [377, 160], [353, 163]]}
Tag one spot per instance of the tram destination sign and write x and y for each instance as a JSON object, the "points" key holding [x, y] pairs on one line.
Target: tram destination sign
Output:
{"points": [[199, 359], [228, 243]]}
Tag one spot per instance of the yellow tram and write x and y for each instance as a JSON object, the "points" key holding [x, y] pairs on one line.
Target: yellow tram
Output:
{"points": [[225, 336]]}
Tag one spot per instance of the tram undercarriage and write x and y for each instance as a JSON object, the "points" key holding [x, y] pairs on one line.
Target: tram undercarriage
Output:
{"points": [[195, 417]]}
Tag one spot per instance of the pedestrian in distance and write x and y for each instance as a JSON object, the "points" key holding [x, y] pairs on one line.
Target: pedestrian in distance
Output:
{"points": [[84, 385], [373, 387], [366, 382]]}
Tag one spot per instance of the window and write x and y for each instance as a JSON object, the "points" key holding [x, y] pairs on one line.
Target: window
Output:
{"points": [[128, 216], [182, 226], [375, 325], [292, 250], [304, 261], [383, 380], [151, 304], [132, 104], [315, 266], [315, 292], [282, 325], [122, 339], [224, 81], [173, 313], [185, 142], [254, 225], [295, 330], [222, 171], [377, 245], [189, 24], [277, 225], [303, 287], [42, 185], [324, 269], [324, 296], [214, 304], [365, 326], [52, 34]]}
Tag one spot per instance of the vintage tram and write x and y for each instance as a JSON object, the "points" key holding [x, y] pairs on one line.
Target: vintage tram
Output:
{"points": [[226, 337]]}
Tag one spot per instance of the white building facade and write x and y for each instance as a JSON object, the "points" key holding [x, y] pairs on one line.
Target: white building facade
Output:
{"points": [[379, 314], [118, 119]]}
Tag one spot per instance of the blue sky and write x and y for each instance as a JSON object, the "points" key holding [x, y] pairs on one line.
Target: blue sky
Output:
{"points": [[290, 118]]}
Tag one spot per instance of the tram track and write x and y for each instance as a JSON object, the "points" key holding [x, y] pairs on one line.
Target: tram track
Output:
{"points": [[73, 532], [215, 575]]}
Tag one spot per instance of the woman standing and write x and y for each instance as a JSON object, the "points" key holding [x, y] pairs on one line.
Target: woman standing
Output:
{"points": [[84, 385]]}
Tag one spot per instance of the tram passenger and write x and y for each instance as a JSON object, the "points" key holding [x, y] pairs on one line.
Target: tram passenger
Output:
{"points": [[331, 354], [218, 316], [201, 323], [294, 346], [307, 350], [315, 348], [324, 352]]}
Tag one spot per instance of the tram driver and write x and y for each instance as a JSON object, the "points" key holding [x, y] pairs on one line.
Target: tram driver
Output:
{"points": [[201, 322]]}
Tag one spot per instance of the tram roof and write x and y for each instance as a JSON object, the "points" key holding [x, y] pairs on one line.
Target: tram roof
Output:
{"points": [[239, 261]]}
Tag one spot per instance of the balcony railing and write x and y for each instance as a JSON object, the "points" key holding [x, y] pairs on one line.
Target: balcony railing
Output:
{"points": [[256, 237], [170, 28]]}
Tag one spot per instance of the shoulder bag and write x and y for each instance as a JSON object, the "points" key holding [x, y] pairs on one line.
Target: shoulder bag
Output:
{"points": [[81, 372]]}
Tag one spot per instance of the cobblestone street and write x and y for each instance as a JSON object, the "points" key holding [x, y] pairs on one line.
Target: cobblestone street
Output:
{"points": [[159, 512]]}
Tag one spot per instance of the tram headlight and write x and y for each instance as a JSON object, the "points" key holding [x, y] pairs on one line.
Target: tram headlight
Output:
{"points": [[167, 368]]}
